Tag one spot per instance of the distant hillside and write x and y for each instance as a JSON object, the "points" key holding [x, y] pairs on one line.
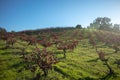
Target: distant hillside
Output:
{"points": [[38, 31]]}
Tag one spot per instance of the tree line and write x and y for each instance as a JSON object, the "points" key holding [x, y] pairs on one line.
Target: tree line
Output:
{"points": [[104, 23]]}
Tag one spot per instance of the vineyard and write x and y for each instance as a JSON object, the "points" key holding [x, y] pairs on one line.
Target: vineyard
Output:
{"points": [[70, 54]]}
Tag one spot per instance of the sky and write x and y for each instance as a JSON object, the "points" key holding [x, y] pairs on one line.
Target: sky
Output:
{"points": [[18, 15]]}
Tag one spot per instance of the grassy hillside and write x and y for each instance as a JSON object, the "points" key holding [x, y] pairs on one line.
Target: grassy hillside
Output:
{"points": [[82, 63]]}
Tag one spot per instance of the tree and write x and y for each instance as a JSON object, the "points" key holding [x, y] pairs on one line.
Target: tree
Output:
{"points": [[2, 30], [12, 31], [102, 23], [116, 27], [79, 26]]}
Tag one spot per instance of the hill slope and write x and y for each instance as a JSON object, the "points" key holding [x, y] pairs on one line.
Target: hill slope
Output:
{"points": [[82, 63]]}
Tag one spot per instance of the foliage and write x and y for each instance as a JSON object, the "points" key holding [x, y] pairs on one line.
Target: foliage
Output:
{"points": [[79, 26], [2, 30], [41, 58], [104, 23]]}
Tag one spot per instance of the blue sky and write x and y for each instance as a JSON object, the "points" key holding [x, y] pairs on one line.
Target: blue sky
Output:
{"points": [[20, 15]]}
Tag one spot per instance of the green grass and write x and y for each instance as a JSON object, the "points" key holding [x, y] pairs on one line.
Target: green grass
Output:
{"points": [[80, 64]]}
